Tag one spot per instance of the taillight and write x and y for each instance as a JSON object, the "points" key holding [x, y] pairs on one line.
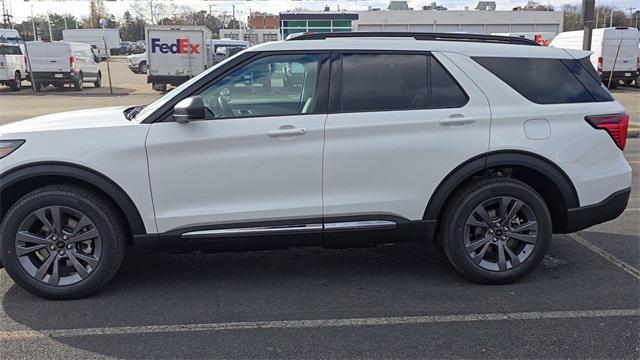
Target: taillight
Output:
{"points": [[600, 64], [72, 64], [616, 125]]}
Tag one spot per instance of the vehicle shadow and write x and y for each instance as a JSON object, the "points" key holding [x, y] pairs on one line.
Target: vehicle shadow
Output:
{"points": [[88, 91]]}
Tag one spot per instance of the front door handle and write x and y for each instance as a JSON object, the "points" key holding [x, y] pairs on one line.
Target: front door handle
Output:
{"points": [[287, 130], [457, 120]]}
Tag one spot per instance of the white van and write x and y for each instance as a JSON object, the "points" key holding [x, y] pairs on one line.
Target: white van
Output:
{"points": [[224, 48], [12, 66], [605, 44], [60, 62], [95, 37]]}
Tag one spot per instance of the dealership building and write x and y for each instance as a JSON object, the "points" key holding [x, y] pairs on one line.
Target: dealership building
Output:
{"points": [[471, 21]]}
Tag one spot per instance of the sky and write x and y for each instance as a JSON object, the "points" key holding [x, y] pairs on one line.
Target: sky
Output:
{"points": [[21, 9]]}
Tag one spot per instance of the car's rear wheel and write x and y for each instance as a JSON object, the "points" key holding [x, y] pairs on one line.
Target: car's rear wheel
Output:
{"points": [[496, 230], [62, 242], [78, 83], [16, 84], [98, 81]]}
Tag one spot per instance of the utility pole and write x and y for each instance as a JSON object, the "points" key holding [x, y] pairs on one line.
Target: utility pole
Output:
{"points": [[49, 22], [631, 16], [33, 25], [151, 7], [6, 17], [613, 8], [588, 9]]}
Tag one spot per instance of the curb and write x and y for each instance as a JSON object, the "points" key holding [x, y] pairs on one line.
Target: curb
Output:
{"points": [[633, 133]]}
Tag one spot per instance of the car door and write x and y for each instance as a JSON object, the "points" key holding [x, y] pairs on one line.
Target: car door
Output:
{"points": [[399, 122], [257, 156]]}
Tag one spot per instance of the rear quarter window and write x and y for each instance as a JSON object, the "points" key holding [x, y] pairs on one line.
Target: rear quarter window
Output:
{"points": [[546, 81], [10, 50]]}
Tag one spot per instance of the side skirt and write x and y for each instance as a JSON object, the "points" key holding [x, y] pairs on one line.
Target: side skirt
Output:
{"points": [[250, 237]]}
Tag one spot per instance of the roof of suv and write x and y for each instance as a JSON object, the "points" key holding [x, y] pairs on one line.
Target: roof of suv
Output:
{"points": [[409, 42]]}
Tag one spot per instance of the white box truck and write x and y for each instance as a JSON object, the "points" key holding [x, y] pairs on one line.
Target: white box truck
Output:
{"points": [[613, 50], [176, 53], [94, 37]]}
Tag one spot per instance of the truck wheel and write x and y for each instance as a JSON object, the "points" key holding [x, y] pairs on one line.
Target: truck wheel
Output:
{"points": [[38, 86], [16, 84], [98, 81], [62, 242], [496, 230], [637, 82], [77, 84], [159, 87], [143, 67]]}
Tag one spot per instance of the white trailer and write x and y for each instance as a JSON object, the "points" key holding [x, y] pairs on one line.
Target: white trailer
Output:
{"points": [[176, 53], [613, 50], [96, 38]]}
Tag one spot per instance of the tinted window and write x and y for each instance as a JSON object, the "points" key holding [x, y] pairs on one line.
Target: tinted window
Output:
{"points": [[445, 91], [543, 81], [377, 82], [584, 74], [10, 50], [270, 86]]}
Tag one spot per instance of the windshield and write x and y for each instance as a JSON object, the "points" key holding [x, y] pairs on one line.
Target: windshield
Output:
{"points": [[151, 108]]}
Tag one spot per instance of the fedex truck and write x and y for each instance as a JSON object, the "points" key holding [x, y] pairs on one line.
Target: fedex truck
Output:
{"points": [[176, 53]]}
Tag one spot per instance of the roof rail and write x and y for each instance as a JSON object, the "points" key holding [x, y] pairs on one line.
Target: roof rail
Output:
{"points": [[420, 36]]}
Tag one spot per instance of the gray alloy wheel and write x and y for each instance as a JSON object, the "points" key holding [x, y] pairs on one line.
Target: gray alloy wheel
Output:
{"points": [[58, 245], [143, 67], [501, 233]]}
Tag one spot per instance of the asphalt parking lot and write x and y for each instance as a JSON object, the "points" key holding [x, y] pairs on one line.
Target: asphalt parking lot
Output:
{"points": [[396, 301]]}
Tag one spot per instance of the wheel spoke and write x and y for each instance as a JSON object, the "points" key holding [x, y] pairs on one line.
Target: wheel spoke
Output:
{"points": [[479, 256], [515, 261], [478, 243], [90, 260], [517, 204], [25, 250], [55, 274], [529, 239], [87, 235], [24, 236], [475, 222], [56, 214], [82, 271], [42, 216], [504, 206], [529, 225], [44, 268], [483, 215], [502, 262], [84, 221]]}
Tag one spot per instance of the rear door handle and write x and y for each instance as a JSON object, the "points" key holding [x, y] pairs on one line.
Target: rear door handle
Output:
{"points": [[457, 120], [287, 130]]}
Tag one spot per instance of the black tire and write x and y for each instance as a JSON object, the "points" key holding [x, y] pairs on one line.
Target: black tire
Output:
{"points": [[96, 208], [98, 81], [142, 67], [78, 83], [455, 228], [637, 82], [16, 84], [38, 86]]}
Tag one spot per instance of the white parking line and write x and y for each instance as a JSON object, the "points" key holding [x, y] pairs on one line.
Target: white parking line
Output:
{"points": [[301, 324], [609, 257]]}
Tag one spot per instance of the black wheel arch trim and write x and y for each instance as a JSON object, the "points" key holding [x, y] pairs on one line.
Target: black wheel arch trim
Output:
{"points": [[82, 173], [496, 159]]}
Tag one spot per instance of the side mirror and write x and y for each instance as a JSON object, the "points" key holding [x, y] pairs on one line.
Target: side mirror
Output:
{"points": [[191, 108]]}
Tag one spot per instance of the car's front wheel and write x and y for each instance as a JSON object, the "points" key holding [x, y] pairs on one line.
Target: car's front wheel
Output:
{"points": [[496, 230], [62, 242]]}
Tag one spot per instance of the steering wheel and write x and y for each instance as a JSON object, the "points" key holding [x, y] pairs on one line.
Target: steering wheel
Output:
{"points": [[224, 107]]}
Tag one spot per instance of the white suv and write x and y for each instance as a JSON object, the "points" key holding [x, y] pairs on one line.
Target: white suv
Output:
{"points": [[338, 140]]}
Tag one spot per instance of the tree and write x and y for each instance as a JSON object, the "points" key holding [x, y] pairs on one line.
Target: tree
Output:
{"points": [[571, 17], [536, 6]]}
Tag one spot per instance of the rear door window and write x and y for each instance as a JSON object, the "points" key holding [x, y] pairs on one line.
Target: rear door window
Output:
{"points": [[10, 50], [545, 81], [393, 82]]}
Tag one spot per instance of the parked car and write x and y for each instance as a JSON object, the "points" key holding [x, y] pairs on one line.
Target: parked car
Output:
{"points": [[225, 48], [59, 62], [137, 63], [465, 136], [12, 66], [615, 52]]}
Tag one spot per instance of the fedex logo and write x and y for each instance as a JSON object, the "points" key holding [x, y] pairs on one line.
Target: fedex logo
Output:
{"points": [[181, 46]]}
